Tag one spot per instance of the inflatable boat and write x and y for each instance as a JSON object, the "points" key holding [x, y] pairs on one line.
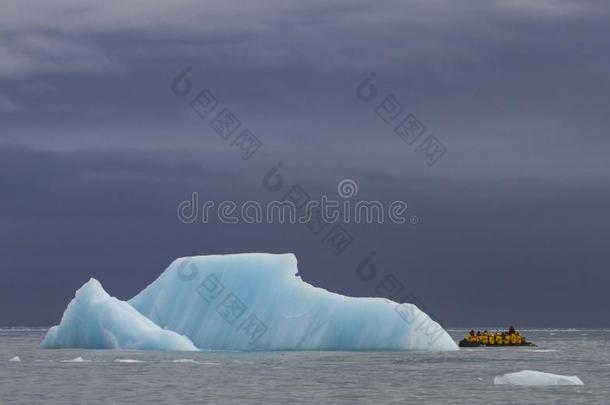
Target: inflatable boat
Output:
{"points": [[466, 343]]}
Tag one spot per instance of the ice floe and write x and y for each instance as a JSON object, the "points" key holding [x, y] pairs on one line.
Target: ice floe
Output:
{"points": [[532, 377]]}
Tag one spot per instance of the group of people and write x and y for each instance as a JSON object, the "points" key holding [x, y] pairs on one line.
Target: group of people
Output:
{"points": [[510, 337]]}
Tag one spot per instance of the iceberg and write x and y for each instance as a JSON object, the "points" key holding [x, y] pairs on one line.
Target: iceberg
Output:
{"points": [[15, 359], [531, 377], [96, 320], [257, 301], [251, 301]]}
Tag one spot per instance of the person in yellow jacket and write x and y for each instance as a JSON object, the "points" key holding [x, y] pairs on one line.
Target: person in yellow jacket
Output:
{"points": [[498, 338], [506, 338], [471, 337], [513, 338], [484, 338]]}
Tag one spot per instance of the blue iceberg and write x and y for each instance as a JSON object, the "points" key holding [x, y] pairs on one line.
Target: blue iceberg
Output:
{"points": [[96, 320], [257, 301]]}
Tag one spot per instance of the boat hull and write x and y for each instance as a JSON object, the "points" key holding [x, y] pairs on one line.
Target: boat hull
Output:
{"points": [[465, 343]]}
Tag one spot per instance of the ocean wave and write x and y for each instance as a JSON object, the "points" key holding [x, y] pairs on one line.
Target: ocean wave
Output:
{"points": [[23, 328]]}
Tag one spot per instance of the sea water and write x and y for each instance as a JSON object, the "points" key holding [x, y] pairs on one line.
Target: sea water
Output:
{"points": [[111, 376]]}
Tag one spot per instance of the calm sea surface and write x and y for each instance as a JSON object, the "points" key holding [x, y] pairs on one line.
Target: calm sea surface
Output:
{"points": [[108, 376]]}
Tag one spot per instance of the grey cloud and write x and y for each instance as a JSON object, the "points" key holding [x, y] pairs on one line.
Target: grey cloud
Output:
{"points": [[8, 106], [97, 151], [35, 53], [112, 214], [325, 36]]}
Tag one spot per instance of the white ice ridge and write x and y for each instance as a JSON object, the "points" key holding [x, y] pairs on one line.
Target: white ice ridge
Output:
{"points": [[94, 319], [256, 301], [531, 377], [76, 360]]}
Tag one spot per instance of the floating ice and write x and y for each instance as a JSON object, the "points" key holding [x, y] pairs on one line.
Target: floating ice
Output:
{"points": [[258, 302], [94, 319], [241, 302], [15, 359], [531, 377], [129, 361], [76, 360], [184, 361]]}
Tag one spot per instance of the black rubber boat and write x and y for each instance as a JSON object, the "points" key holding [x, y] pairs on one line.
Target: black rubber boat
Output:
{"points": [[465, 343]]}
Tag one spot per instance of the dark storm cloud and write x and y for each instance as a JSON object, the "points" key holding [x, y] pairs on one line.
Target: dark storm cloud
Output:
{"points": [[96, 151], [486, 77], [112, 215]]}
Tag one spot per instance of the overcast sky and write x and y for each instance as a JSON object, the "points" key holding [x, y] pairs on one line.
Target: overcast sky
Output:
{"points": [[96, 151]]}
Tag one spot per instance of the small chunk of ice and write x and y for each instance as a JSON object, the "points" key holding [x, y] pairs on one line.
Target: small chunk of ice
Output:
{"points": [[76, 360], [531, 377], [15, 359], [128, 361]]}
